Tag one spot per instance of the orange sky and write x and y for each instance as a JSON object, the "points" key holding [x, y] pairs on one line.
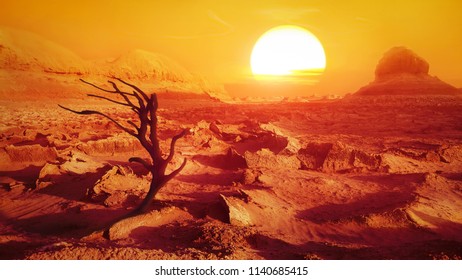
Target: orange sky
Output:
{"points": [[215, 38]]}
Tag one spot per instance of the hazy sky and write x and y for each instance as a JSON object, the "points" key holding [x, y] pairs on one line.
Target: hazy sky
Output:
{"points": [[215, 38]]}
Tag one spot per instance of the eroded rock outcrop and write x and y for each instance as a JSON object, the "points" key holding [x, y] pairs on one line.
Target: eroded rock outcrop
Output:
{"points": [[337, 157], [67, 168], [265, 158], [111, 146], [30, 153], [236, 211], [156, 218], [401, 72], [437, 206], [400, 60], [117, 185], [292, 146], [206, 135]]}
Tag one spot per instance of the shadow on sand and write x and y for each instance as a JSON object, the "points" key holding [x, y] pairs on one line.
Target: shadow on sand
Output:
{"points": [[369, 204]]}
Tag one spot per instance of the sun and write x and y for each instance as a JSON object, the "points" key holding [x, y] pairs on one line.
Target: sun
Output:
{"points": [[288, 50]]}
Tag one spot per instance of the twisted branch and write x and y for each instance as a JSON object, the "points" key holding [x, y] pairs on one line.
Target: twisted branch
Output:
{"points": [[172, 145], [91, 112], [146, 98], [108, 99], [175, 172]]}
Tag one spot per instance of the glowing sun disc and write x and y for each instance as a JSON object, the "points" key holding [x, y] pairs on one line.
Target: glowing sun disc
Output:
{"points": [[288, 50]]}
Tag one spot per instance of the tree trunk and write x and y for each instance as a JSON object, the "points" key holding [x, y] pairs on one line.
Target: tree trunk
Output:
{"points": [[155, 186]]}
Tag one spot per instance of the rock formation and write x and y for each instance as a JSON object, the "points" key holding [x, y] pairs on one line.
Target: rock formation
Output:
{"points": [[403, 72], [32, 66], [399, 60]]}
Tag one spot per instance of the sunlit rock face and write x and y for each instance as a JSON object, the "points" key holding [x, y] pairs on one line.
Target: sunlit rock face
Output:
{"points": [[402, 72]]}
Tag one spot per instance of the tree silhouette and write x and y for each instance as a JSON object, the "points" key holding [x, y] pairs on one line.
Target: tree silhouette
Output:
{"points": [[145, 131]]}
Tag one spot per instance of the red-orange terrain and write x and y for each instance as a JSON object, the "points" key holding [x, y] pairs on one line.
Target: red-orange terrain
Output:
{"points": [[352, 179], [375, 175]]}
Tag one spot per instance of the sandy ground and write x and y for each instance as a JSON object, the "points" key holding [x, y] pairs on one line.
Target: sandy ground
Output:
{"points": [[379, 178]]}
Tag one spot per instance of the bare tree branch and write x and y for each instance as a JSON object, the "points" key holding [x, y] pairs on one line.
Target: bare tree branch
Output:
{"points": [[108, 99], [97, 87], [118, 91], [153, 123], [140, 100], [134, 125], [172, 145], [90, 112], [146, 98], [142, 131], [175, 172], [124, 94]]}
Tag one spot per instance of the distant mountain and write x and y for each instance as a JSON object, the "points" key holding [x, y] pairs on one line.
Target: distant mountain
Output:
{"points": [[401, 72], [167, 74], [139, 64], [32, 67], [25, 51]]}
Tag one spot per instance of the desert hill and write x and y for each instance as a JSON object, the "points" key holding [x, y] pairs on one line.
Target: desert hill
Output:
{"points": [[32, 67], [25, 51], [401, 72]]}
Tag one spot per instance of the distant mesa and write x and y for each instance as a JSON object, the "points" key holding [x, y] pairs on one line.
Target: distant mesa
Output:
{"points": [[402, 72]]}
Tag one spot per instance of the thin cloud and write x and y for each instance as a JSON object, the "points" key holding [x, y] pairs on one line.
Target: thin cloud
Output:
{"points": [[213, 16], [288, 14], [362, 19]]}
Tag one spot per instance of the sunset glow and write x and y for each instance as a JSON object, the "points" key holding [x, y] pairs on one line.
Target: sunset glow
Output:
{"points": [[288, 50], [207, 130]]}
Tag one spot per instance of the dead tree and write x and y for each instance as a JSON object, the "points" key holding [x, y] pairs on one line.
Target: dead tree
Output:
{"points": [[145, 131]]}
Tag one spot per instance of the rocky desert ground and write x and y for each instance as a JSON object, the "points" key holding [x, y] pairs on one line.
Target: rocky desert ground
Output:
{"points": [[375, 175], [323, 180]]}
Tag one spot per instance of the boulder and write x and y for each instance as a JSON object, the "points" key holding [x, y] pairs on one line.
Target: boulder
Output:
{"points": [[237, 213], [234, 160], [215, 129], [206, 135], [450, 153], [337, 157], [66, 167], [292, 146], [30, 153], [47, 175], [265, 158], [250, 176], [119, 182], [125, 227], [313, 155]]}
